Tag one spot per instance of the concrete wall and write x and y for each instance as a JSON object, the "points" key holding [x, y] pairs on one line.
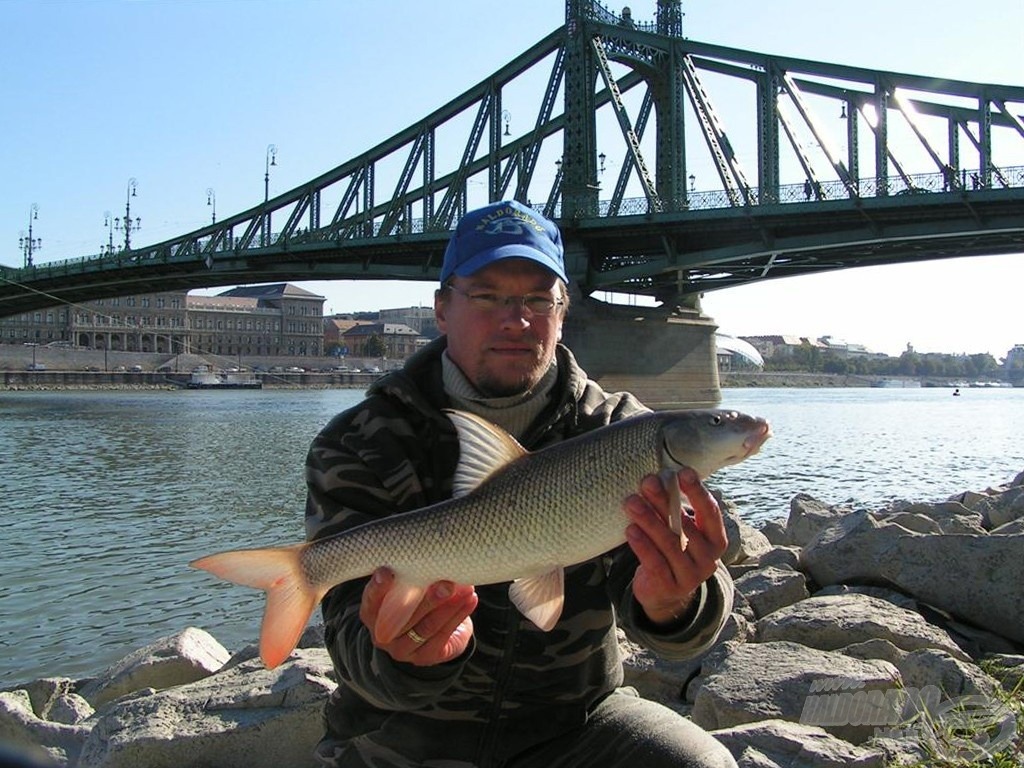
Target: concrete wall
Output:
{"points": [[666, 358]]}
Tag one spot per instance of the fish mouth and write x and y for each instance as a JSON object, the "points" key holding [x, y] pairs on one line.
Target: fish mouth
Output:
{"points": [[752, 444]]}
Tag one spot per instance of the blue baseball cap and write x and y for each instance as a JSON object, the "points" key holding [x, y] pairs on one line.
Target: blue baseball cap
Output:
{"points": [[505, 230]]}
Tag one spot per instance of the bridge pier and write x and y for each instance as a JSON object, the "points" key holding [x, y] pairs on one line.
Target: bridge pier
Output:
{"points": [[665, 356]]}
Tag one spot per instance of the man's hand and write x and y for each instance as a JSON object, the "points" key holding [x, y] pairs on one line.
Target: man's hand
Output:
{"points": [[440, 627], [672, 567]]}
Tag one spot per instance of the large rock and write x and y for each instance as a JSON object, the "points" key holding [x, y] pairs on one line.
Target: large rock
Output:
{"points": [[183, 658], [975, 577], [745, 542], [781, 744], [788, 681], [22, 728], [832, 622], [954, 677], [244, 717], [808, 517], [768, 589]]}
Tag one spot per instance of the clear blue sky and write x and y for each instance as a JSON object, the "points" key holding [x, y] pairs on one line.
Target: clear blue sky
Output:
{"points": [[185, 95]]}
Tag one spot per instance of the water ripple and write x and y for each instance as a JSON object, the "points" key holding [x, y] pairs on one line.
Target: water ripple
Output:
{"points": [[108, 495]]}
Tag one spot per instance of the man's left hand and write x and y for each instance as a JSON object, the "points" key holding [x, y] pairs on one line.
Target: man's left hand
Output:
{"points": [[673, 566]]}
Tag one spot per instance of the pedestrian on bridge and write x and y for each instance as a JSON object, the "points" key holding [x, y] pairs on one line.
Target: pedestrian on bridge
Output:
{"points": [[470, 682]]}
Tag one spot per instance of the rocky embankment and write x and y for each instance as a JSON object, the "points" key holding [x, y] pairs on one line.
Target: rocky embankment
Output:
{"points": [[863, 638]]}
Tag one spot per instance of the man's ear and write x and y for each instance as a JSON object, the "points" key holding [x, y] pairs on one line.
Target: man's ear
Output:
{"points": [[440, 310]]}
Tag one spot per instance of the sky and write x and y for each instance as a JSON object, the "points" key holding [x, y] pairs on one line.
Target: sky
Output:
{"points": [[186, 96]]}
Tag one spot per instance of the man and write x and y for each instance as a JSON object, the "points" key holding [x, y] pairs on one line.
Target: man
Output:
{"points": [[468, 681]]}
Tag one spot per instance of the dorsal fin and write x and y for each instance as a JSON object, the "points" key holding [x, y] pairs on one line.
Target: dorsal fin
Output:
{"points": [[484, 448]]}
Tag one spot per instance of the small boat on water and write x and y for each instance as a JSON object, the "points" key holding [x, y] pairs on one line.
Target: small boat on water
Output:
{"points": [[207, 379]]}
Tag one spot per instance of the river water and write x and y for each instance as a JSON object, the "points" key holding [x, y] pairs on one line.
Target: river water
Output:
{"points": [[108, 495]]}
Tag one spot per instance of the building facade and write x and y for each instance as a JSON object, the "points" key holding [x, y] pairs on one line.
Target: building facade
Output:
{"points": [[272, 320]]}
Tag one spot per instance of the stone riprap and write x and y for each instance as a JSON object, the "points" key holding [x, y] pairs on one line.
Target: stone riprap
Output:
{"points": [[854, 634]]}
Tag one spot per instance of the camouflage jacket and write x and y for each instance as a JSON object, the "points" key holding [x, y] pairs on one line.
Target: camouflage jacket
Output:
{"points": [[396, 451]]}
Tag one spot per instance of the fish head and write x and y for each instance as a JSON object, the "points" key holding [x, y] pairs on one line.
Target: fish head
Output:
{"points": [[710, 439]]}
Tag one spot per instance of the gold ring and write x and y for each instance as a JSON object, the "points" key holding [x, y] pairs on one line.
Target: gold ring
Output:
{"points": [[416, 637]]}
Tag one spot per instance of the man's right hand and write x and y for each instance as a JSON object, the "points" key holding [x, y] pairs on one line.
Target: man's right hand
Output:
{"points": [[438, 631]]}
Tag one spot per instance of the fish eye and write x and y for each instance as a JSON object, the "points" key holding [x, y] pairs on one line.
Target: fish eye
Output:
{"points": [[716, 419]]}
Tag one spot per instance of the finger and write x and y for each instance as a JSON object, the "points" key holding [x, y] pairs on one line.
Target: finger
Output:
{"points": [[707, 515], [446, 631], [373, 595], [654, 524]]}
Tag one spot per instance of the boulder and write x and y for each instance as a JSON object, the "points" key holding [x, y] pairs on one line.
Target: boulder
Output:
{"points": [[1008, 669], [38, 739], [983, 588], [55, 699], [832, 622], [789, 681], [781, 556], [781, 744], [745, 542], [1003, 506], [941, 517], [775, 532], [245, 717], [770, 588], [183, 658], [954, 677], [808, 517], [1012, 528], [875, 648]]}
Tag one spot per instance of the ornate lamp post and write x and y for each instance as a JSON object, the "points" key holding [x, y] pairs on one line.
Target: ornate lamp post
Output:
{"points": [[211, 199], [271, 160], [108, 222], [128, 225], [30, 244]]}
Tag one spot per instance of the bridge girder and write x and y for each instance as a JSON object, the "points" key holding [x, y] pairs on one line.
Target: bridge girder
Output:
{"points": [[360, 220]]}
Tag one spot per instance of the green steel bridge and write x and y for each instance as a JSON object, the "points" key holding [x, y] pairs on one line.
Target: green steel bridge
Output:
{"points": [[849, 167]]}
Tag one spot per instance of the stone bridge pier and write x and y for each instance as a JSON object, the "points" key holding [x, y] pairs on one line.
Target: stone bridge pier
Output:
{"points": [[664, 355]]}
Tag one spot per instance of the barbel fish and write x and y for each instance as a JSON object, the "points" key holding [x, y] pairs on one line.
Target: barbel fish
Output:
{"points": [[514, 516]]}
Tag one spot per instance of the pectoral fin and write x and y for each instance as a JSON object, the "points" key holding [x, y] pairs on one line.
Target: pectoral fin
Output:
{"points": [[398, 607], [540, 598]]}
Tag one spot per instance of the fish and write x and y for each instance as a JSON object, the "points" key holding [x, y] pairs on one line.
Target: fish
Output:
{"points": [[514, 516]]}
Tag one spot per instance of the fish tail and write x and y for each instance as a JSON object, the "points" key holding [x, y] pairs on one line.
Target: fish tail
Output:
{"points": [[291, 599]]}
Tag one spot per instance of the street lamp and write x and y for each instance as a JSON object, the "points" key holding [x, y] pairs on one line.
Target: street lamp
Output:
{"points": [[30, 244], [271, 160], [693, 182], [506, 117], [108, 222], [128, 225], [211, 199]]}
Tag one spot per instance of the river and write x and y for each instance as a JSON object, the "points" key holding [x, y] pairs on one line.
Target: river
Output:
{"points": [[108, 495]]}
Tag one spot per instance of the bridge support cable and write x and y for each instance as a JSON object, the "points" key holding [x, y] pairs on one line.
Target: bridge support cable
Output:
{"points": [[626, 166], [820, 135], [733, 179], [907, 109], [632, 142], [453, 204], [531, 151]]}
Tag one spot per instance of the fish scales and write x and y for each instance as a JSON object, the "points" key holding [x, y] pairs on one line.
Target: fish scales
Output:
{"points": [[557, 507]]}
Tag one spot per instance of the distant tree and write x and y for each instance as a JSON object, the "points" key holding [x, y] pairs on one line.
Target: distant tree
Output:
{"points": [[375, 346]]}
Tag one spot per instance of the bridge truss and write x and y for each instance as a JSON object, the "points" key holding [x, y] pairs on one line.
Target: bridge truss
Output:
{"points": [[847, 166]]}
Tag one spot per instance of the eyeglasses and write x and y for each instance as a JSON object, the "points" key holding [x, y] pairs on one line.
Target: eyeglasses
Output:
{"points": [[533, 305]]}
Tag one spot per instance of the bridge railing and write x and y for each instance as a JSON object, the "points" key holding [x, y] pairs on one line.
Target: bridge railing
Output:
{"points": [[806, 192]]}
